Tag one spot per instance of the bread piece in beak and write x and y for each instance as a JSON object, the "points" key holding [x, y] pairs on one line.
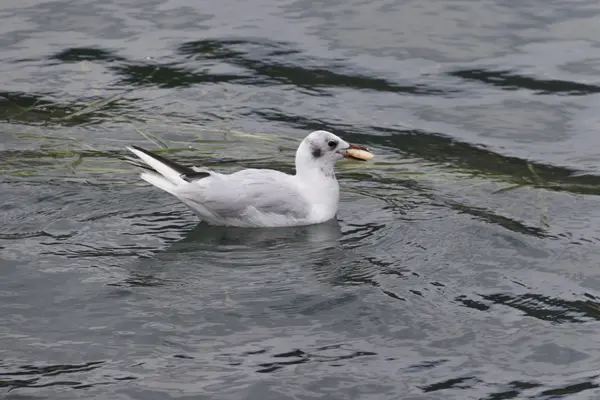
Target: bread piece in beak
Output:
{"points": [[358, 152]]}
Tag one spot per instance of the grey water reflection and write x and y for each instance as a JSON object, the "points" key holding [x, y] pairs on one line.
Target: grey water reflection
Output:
{"points": [[232, 247]]}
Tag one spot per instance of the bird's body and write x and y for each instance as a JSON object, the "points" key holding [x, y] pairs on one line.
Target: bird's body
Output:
{"points": [[258, 197]]}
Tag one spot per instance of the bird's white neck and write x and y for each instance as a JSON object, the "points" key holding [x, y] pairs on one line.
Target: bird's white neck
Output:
{"points": [[321, 189]]}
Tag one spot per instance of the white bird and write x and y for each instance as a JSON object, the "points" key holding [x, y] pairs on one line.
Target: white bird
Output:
{"points": [[259, 197]]}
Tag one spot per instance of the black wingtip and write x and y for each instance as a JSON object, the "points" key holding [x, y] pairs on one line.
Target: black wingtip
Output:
{"points": [[138, 148], [194, 176], [147, 152], [186, 173], [180, 169]]}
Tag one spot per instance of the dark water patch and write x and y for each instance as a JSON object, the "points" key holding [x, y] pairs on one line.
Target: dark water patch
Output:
{"points": [[507, 80], [393, 295], [27, 108], [28, 235], [170, 76], [276, 63], [547, 308], [226, 49], [79, 54], [511, 390], [426, 365], [183, 356], [569, 390], [477, 305], [296, 357], [21, 101], [454, 383], [42, 373]]}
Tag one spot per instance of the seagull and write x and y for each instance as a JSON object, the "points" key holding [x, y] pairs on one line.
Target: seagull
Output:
{"points": [[259, 197]]}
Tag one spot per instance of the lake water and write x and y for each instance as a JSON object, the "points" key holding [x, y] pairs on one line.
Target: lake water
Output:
{"points": [[465, 260]]}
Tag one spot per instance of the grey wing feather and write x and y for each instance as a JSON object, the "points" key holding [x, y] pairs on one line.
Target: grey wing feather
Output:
{"points": [[231, 196]]}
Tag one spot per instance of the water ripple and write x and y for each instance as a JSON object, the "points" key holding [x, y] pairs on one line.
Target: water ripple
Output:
{"points": [[33, 376]]}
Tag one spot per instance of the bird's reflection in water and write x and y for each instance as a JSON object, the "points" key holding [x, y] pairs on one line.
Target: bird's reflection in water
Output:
{"points": [[232, 247], [205, 237]]}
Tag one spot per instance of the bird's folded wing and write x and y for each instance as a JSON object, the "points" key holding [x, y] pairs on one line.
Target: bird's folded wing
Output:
{"points": [[233, 196]]}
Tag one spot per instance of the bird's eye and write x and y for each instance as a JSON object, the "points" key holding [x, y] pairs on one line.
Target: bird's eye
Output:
{"points": [[332, 143]]}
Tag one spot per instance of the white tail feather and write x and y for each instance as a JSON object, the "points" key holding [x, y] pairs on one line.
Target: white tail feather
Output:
{"points": [[160, 182], [166, 171]]}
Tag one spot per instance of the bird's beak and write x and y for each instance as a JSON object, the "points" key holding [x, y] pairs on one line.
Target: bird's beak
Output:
{"points": [[357, 152]]}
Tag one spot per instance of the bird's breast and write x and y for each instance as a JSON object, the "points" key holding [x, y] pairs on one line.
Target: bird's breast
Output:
{"points": [[323, 200]]}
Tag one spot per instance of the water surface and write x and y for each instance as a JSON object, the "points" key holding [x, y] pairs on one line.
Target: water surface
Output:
{"points": [[462, 265]]}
